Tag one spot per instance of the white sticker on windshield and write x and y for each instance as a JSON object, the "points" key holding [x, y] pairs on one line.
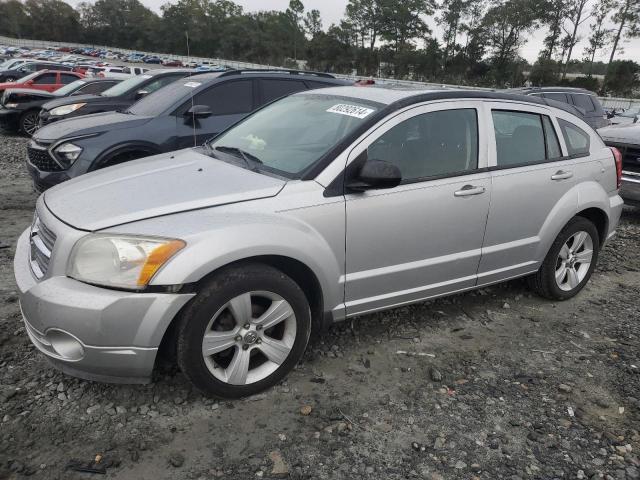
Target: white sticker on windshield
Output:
{"points": [[351, 110], [192, 84]]}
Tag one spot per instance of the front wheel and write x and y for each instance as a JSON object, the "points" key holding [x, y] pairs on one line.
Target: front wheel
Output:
{"points": [[29, 122], [245, 330], [570, 261]]}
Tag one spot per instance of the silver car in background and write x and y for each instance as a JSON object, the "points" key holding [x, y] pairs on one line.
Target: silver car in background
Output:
{"points": [[321, 206]]}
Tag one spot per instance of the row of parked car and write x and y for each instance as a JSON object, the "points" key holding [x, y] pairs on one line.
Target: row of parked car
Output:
{"points": [[269, 203]]}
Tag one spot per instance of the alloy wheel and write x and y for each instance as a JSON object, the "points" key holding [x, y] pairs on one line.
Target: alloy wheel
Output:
{"points": [[249, 337], [574, 261], [30, 123]]}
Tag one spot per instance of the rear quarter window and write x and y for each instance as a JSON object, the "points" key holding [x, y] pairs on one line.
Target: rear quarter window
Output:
{"points": [[577, 140]]}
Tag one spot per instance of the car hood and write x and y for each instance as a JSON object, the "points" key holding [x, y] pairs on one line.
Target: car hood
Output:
{"points": [[75, 99], [89, 125], [628, 133], [31, 93], [155, 186]]}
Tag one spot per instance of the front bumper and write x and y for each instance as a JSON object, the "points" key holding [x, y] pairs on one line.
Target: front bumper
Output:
{"points": [[91, 332], [630, 189], [44, 180]]}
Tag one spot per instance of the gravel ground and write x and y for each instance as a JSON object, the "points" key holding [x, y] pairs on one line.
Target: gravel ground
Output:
{"points": [[491, 384]]}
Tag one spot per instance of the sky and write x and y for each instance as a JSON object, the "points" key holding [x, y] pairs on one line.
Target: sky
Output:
{"points": [[332, 11]]}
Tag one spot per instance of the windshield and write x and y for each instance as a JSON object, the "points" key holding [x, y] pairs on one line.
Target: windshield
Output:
{"points": [[71, 87], [290, 135], [159, 101], [126, 86]]}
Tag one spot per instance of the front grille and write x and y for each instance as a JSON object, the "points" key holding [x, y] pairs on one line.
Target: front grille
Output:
{"points": [[42, 241], [40, 158]]}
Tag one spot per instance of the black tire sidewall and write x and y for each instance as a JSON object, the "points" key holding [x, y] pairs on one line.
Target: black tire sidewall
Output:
{"points": [[212, 296], [577, 224]]}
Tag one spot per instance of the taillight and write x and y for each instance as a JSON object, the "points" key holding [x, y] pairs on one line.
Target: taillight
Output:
{"points": [[618, 158]]}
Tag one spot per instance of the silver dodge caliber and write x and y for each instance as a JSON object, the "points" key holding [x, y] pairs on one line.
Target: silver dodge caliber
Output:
{"points": [[321, 206]]}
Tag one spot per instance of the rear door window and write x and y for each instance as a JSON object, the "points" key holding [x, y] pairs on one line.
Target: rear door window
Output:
{"points": [[65, 78], [519, 138], [276, 88], [228, 98], [577, 140]]}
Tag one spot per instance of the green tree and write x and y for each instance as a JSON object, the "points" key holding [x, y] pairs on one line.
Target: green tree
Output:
{"points": [[627, 22], [14, 21], [52, 20], [313, 23], [576, 17], [366, 18], [505, 24], [599, 32], [295, 14], [622, 78]]}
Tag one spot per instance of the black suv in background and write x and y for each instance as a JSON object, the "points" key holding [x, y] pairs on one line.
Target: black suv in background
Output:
{"points": [[118, 98], [585, 101], [19, 107], [25, 69], [183, 114]]}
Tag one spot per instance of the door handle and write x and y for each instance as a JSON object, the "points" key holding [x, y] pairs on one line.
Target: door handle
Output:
{"points": [[469, 190], [561, 175]]}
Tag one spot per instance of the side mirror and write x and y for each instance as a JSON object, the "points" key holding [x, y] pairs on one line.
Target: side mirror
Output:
{"points": [[29, 82], [141, 93], [199, 111], [375, 174]]}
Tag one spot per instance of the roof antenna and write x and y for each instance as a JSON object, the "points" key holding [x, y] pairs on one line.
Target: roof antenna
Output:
{"points": [[193, 117]]}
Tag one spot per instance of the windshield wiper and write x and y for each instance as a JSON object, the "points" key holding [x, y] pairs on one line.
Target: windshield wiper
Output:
{"points": [[253, 163]]}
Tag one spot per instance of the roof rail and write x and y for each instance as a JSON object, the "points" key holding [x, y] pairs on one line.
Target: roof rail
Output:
{"points": [[276, 71]]}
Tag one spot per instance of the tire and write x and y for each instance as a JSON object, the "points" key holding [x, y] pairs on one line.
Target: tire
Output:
{"points": [[220, 311], [563, 258], [29, 122]]}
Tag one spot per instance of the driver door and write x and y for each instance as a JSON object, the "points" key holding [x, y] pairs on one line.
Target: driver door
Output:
{"points": [[422, 238]]}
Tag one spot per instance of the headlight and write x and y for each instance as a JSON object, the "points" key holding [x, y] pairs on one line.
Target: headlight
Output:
{"points": [[68, 153], [120, 261], [11, 105], [66, 109]]}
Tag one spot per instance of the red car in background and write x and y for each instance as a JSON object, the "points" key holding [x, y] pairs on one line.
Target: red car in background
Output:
{"points": [[47, 80]]}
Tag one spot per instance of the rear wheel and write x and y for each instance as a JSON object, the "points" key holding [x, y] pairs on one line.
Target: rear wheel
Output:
{"points": [[29, 122], [570, 261], [246, 329]]}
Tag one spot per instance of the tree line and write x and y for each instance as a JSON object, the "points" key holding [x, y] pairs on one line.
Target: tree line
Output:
{"points": [[478, 44]]}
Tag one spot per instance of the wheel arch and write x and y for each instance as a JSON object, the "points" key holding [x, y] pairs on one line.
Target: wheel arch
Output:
{"points": [[599, 218], [136, 146], [297, 270]]}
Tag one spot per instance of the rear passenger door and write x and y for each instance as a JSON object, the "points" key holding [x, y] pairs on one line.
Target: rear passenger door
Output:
{"points": [[229, 102], [530, 176]]}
